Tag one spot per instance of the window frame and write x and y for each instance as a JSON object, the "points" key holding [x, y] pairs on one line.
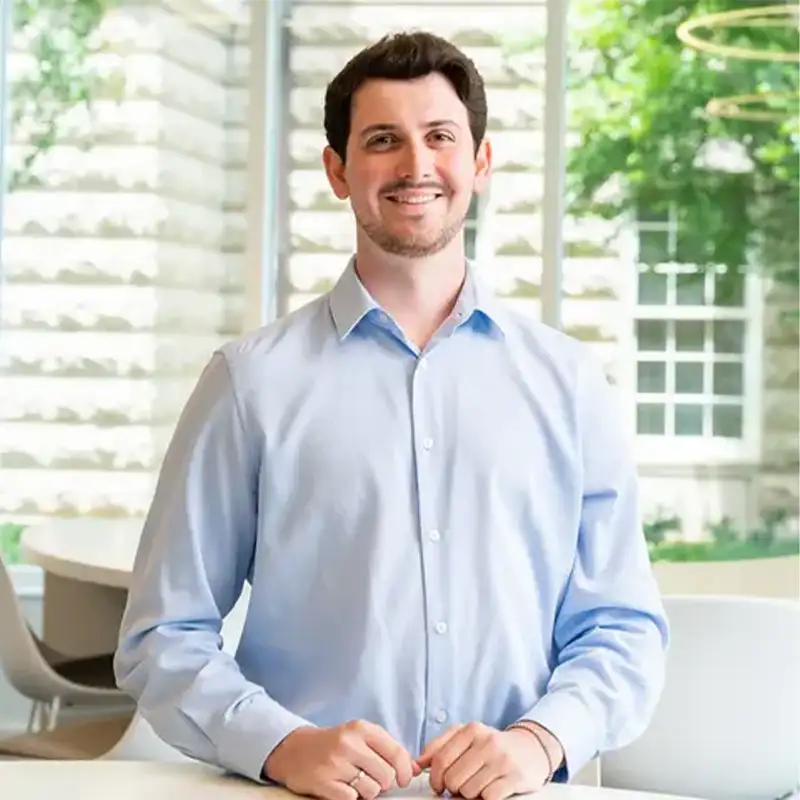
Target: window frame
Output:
{"points": [[671, 449]]}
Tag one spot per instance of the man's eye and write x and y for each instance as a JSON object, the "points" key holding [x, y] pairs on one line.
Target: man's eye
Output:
{"points": [[381, 141], [442, 136]]}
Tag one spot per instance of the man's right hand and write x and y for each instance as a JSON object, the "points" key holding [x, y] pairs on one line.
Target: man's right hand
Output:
{"points": [[323, 762]]}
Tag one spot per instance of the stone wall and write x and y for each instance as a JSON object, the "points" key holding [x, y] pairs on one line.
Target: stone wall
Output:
{"points": [[122, 270]]}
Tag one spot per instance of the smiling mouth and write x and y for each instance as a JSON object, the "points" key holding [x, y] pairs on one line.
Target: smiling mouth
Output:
{"points": [[415, 199]]}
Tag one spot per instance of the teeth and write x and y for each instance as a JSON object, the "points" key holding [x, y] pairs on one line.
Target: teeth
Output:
{"points": [[416, 200]]}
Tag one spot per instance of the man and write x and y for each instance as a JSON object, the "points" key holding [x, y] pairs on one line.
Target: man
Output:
{"points": [[431, 497]]}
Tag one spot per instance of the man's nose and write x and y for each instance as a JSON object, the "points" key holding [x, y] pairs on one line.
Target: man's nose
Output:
{"points": [[416, 163]]}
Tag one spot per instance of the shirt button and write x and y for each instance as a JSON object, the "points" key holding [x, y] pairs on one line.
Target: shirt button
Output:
{"points": [[441, 627], [440, 717], [434, 535], [427, 443]]}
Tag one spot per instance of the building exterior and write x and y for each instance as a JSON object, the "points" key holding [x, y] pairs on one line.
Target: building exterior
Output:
{"points": [[127, 265]]}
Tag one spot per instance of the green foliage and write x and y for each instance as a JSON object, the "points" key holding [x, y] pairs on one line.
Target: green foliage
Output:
{"points": [[771, 537], [730, 551], [58, 34], [638, 98], [656, 530], [10, 534]]}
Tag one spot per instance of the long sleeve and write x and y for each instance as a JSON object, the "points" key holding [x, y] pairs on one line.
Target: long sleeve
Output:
{"points": [[611, 632], [194, 557]]}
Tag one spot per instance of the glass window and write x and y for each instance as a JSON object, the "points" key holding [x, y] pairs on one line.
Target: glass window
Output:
{"points": [[701, 320]]}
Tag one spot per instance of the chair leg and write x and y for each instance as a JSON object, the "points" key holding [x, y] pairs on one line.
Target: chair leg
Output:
{"points": [[52, 712], [33, 717]]}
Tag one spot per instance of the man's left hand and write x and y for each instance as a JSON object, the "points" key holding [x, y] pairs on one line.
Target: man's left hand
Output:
{"points": [[476, 760]]}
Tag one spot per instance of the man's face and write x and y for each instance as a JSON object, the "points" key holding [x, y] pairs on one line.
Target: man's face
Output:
{"points": [[411, 167]]}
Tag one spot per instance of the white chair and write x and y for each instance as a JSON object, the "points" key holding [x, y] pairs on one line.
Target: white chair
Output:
{"points": [[50, 679], [727, 726]]}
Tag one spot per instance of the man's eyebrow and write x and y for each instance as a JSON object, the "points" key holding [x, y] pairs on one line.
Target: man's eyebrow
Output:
{"points": [[384, 127]]}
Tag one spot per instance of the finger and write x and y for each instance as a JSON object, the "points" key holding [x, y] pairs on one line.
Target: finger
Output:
{"points": [[335, 790], [366, 787], [436, 744], [475, 785], [465, 767], [392, 753], [362, 756], [447, 756], [500, 789]]}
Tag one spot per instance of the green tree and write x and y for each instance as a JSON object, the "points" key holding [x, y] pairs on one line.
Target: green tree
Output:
{"points": [[638, 99], [57, 35]]}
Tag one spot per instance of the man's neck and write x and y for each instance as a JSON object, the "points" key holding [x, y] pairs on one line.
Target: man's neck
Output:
{"points": [[419, 294]]}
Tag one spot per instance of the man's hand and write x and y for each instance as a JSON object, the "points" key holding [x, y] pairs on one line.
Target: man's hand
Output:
{"points": [[323, 762], [475, 760]]}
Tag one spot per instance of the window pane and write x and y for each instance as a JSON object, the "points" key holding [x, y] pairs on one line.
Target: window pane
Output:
{"points": [[653, 247], [690, 336], [688, 420], [729, 336], [689, 378], [728, 379], [652, 376], [729, 289], [728, 421], [650, 419], [652, 288], [690, 289], [651, 334]]}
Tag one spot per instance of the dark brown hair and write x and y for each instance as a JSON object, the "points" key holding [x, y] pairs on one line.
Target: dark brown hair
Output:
{"points": [[403, 57]]}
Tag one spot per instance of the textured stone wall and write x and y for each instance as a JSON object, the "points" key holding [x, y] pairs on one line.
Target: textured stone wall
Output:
{"points": [[778, 484], [123, 268]]}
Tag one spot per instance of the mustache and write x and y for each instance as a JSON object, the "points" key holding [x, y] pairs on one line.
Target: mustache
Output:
{"points": [[400, 186]]}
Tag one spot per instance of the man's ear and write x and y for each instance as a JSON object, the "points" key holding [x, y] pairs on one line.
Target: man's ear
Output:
{"points": [[483, 165], [335, 170]]}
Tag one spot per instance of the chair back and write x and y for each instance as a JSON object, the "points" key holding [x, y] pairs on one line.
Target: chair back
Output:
{"points": [[727, 726], [20, 658]]}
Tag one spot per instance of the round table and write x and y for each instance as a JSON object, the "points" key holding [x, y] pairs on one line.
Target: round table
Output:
{"points": [[87, 567], [132, 780], [99, 551]]}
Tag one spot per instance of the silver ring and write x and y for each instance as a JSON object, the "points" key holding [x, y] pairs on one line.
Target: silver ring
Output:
{"points": [[357, 778]]}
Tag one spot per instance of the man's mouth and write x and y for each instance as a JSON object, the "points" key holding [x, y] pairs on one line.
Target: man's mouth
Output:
{"points": [[415, 199]]}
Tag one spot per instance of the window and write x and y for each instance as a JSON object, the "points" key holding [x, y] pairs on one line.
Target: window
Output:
{"points": [[696, 390]]}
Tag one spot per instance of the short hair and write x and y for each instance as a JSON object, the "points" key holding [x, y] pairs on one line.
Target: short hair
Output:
{"points": [[402, 57]]}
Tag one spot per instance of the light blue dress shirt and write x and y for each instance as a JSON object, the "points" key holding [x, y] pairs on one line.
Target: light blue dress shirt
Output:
{"points": [[430, 538]]}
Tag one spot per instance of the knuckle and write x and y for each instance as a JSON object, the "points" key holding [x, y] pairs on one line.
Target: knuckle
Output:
{"points": [[474, 728], [494, 748]]}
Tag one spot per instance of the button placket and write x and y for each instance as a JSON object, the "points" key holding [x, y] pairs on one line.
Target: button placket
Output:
{"points": [[426, 451]]}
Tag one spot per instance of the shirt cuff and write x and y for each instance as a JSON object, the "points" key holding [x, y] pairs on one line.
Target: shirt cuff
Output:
{"points": [[568, 719], [252, 732]]}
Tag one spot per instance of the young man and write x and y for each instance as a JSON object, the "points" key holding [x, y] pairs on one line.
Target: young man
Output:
{"points": [[431, 497]]}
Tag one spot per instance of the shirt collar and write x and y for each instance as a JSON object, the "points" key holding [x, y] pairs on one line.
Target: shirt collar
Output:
{"points": [[350, 302]]}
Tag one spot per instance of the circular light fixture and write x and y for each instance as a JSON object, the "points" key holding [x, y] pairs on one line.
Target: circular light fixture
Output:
{"points": [[775, 16], [741, 106]]}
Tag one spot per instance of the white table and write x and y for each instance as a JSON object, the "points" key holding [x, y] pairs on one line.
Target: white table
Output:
{"points": [[129, 780], [87, 566]]}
